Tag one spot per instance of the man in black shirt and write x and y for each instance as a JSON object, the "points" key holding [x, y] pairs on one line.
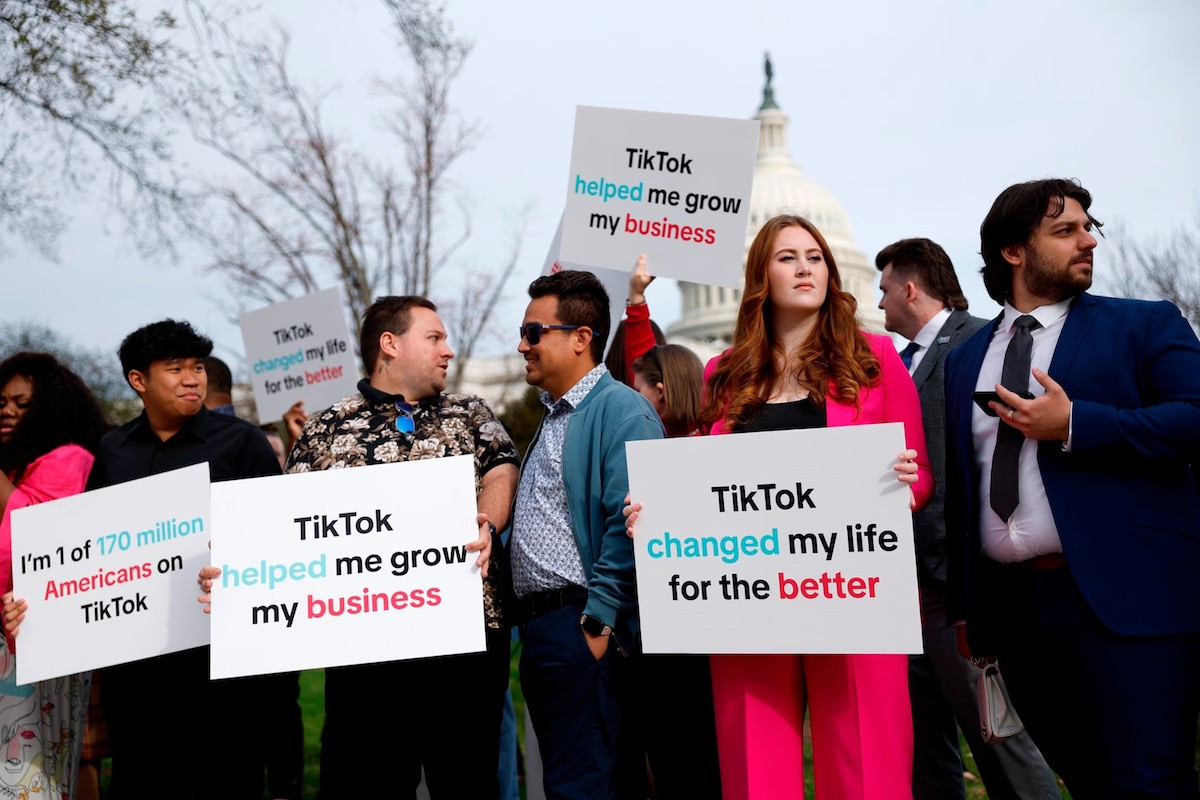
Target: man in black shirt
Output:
{"points": [[161, 711]]}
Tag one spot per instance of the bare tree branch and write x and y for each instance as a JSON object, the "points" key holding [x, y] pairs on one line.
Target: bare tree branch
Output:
{"points": [[83, 83], [1161, 268], [469, 317], [303, 210]]}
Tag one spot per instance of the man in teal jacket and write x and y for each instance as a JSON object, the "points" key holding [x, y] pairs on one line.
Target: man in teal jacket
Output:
{"points": [[571, 562]]}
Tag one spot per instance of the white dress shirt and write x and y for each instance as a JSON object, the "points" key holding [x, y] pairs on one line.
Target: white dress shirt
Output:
{"points": [[925, 336], [1031, 530]]}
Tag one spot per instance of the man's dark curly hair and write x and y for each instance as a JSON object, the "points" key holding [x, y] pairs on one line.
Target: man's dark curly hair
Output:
{"points": [[161, 341], [582, 300], [62, 411]]}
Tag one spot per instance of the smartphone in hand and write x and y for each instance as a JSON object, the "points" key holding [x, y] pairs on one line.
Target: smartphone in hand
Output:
{"points": [[983, 398]]}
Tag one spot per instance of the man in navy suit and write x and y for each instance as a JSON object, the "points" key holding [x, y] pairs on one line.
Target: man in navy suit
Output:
{"points": [[923, 302], [1080, 564]]}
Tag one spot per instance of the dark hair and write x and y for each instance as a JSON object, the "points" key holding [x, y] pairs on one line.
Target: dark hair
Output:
{"points": [[616, 358], [925, 263], [388, 314], [61, 411], [161, 341], [1013, 218], [582, 300], [679, 371], [220, 379], [835, 353]]}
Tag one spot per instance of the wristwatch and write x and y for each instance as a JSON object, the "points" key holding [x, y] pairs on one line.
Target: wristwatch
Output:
{"points": [[594, 627], [491, 528]]}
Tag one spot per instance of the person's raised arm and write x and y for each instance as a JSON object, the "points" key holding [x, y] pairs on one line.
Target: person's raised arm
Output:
{"points": [[639, 334]]}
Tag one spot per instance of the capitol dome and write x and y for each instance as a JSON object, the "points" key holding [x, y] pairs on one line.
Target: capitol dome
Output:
{"points": [[781, 187]]}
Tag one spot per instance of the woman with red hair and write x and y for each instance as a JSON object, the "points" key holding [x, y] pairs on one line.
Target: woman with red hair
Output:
{"points": [[799, 361]]}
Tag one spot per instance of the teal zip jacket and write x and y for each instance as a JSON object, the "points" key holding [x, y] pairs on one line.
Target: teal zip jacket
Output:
{"points": [[597, 481]]}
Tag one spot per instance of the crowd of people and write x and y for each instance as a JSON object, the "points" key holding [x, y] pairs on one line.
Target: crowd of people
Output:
{"points": [[1049, 464]]}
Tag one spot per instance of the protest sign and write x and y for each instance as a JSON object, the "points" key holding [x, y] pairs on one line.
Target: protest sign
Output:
{"points": [[299, 350], [110, 575], [673, 186], [615, 282], [778, 542], [345, 566]]}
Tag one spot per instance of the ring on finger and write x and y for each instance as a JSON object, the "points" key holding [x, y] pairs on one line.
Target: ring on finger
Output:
{"points": [[1011, 412]]}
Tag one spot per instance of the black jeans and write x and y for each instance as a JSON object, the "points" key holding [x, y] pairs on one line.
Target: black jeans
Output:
{"points": [[383, 722]]}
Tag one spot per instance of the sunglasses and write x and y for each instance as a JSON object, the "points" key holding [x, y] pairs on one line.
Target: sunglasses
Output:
{"points": [[532, 331], [404, 422]]}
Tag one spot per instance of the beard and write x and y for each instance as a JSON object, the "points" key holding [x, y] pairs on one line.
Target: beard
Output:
{"points": [[1044, 279]]}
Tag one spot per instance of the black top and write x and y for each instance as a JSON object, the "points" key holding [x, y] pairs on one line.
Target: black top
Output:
{"points": [[796, 415], [232, 447], [139, 728]]}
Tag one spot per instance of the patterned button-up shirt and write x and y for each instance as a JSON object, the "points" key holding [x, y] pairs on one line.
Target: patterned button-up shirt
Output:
{"points": [[360, 430], [545, 555]]}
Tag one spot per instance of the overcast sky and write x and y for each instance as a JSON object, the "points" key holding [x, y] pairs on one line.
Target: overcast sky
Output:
{"points": [[914, 115]]}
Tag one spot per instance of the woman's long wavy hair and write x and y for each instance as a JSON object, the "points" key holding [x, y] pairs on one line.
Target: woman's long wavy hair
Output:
{"points": [[835, 359], [62, 411]]}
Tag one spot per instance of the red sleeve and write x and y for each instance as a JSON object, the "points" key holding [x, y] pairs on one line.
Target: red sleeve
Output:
{"points": [[60, 473], [639, 336]]}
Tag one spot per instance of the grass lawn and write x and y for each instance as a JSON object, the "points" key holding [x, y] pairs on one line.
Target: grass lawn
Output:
{"points": [[312, 706]]}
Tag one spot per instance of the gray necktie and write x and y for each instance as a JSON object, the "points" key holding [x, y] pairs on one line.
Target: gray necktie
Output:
{"points": [[1014, 377]]}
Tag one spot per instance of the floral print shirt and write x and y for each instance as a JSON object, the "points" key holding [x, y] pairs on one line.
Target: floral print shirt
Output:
{"points": [[360, 430]]}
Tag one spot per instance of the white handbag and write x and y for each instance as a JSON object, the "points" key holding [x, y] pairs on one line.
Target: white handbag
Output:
{"points": [[998, 719]]}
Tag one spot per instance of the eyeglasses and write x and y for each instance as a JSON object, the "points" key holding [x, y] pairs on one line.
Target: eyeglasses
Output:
{"points": [[532, 331], [404, 422]]}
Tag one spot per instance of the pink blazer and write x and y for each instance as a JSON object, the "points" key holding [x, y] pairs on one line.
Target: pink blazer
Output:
{"points": [[893, 399], [60, 473]]}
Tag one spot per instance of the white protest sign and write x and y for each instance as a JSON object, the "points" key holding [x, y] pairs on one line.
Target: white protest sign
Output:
{"points": [[110, 575], [299, 350], [345, 566], [615, 283], [778, 542], [675, 187]]}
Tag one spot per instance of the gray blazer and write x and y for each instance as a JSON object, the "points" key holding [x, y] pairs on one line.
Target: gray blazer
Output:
{"points": [[929, 525]]}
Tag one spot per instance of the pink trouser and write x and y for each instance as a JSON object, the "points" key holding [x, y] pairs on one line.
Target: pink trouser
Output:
{"points": [[861, 725]]}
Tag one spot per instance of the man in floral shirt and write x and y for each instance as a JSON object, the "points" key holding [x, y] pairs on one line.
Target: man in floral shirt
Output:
{"points": [[383, 722]]}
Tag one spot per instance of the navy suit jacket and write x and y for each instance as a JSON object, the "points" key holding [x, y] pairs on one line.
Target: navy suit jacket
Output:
{"points": [[1124, 499]]}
